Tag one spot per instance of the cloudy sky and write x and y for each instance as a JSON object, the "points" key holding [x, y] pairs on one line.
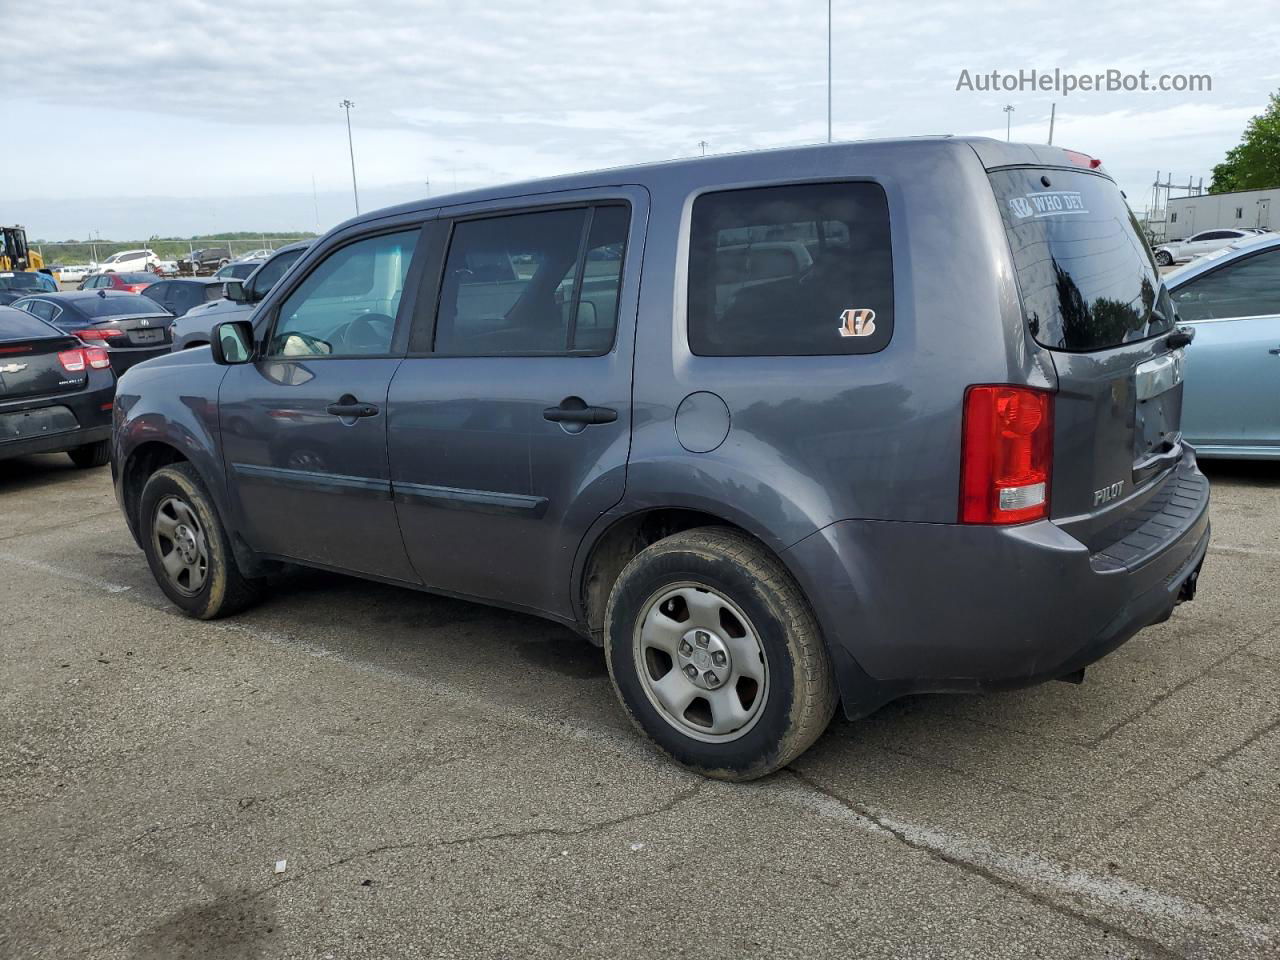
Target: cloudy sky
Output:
{"points": [[183, 116]]}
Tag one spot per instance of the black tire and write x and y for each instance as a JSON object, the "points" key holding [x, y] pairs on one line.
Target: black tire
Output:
{"points": [[799, 695], [1164, 258], [91, 454], [223, 590]]}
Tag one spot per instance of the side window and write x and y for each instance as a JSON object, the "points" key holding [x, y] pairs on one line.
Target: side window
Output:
{"points": [[273, 270], [40, 308], [1246, 288], [545, 282], [799, 270], [347, 305], [159, 292]]}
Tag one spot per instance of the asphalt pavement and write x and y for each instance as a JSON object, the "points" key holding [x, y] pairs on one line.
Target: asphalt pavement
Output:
{"points": [[351, 770]]}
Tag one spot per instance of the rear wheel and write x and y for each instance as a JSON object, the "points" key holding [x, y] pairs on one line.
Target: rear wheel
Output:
{"points": [[1164, 258], [187, 548], [91, 454], [716, 655]]}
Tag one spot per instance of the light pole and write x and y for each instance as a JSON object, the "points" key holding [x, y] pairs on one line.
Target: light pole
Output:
{"points": [[347, 105], [1008, 121], [703, 145], [828, 71]]}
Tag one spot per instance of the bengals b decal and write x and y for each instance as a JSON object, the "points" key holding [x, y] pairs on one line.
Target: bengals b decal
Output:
{"points": [[858, 323]]}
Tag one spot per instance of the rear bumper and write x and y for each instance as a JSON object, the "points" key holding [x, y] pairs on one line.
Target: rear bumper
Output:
{"points": [[122, 358], [915, 607], [93, 423]]}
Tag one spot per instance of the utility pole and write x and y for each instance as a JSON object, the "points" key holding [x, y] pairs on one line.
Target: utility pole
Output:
{"points": [[828, 71], [1008, 121], [347, 105], [1053, 110], [703, 145], [315, 199]]}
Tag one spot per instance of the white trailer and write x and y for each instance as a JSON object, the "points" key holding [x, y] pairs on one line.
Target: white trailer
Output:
{"points": [[1211, 211]]}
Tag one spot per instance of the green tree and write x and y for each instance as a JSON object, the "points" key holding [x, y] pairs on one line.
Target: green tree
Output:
{"points": [[1254, 163]]}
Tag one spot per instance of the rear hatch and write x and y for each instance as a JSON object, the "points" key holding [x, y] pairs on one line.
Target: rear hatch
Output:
{"points": [[1092, 296], [29, 364]]}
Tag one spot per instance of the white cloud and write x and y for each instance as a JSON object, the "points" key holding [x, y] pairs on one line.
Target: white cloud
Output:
{"points": [[232, 98]]}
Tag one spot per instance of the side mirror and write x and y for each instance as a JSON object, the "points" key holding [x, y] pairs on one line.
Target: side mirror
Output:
{"points": [[232, 342], [234, 290]]}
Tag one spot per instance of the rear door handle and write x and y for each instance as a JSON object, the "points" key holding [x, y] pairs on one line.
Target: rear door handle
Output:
{"points": [[574, 410], [351, 408]]}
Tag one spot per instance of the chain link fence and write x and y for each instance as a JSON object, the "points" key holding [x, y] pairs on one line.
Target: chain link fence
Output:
{"points": [[181, 255]]}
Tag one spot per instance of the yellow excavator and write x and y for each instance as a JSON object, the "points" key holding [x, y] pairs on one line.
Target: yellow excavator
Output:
{"points": [[15, 254]]}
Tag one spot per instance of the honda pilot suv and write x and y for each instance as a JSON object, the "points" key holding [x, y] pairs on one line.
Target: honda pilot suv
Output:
{"points": [[756, 424]]}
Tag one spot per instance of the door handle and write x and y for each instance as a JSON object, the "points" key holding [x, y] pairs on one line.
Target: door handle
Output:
{"points": [[351, 408], [575, 410]]}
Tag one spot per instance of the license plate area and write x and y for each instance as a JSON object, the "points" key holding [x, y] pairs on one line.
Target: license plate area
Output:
{"points": [[1158, 411], [35, 423], [146, 336]]}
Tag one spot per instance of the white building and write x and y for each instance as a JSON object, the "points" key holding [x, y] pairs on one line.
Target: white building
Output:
{"points": [[1245, 208]]}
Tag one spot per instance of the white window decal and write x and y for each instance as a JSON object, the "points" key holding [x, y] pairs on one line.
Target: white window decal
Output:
{"points": [[1047, 203]]}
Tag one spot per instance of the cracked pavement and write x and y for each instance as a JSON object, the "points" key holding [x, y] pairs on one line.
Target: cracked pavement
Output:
{"points": [[448, 780]]}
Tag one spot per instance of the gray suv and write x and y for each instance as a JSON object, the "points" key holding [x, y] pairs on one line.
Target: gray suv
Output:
{"points": [[779, 430]]}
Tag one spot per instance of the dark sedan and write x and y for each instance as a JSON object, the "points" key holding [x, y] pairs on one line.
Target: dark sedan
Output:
{"points": [[55, 392], [181, 294], [131, 327]]}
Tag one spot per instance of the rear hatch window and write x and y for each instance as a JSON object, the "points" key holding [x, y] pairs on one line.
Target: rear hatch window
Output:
{"points": [[1086, 275]]}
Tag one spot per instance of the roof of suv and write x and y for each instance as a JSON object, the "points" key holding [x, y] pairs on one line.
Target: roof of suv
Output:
{"points": [[992, 153]]}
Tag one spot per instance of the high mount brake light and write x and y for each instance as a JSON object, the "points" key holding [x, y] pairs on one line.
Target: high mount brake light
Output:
{"points": [[1007, 454], [1083, 159]]}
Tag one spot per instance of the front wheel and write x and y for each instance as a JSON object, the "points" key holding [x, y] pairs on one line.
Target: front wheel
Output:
{"points": [[1164, 258], [91, 454], [187, 548], [716, 656]]}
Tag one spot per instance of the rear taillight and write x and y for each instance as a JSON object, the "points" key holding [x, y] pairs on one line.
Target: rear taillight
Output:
{"points": [[96, 357], [107, 333], [73, 361], [1006, 454]]}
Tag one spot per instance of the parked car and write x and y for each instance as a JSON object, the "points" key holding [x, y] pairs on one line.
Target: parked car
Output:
{"points": [[180, 294], [1197, 245], [262, 253], [205, 260], [167, 268], [15, 284], [746, 492], [55, 392], [132, 328], [125, 282], [238, 270], [129, 261], [1231, 298], [75, 273], [192, 329]]}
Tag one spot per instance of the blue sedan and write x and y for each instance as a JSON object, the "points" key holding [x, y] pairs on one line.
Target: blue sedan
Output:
{"points": [[1231, 398]]}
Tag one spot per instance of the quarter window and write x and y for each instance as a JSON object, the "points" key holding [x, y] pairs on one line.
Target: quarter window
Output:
{"points": [[1246, 288], [800, 270], [347, 305], [533, 283]]}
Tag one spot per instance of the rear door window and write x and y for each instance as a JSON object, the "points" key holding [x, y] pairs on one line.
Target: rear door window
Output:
{"points": [[801, 270], [544, 282], [1087, 277]]}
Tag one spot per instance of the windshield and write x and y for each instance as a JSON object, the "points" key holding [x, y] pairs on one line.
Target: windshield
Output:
{"points": [[1086, 275], [273, 270], [124, 306], [21, 281], [136, 277]]}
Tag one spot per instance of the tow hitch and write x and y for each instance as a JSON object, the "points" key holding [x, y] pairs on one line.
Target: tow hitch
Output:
{"points": [[1188, 591]]}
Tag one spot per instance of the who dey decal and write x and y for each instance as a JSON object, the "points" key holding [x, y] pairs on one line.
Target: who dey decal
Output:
{"points": [[1047, 203]]}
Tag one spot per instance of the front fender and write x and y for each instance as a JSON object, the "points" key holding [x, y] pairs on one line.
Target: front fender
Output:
{"points": [[170, 401]]}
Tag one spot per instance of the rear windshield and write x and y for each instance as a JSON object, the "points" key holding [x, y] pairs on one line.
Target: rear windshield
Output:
{"points": [[16, 325], [21, 281], [129, 305], [136, 277], [1086, 274]]}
